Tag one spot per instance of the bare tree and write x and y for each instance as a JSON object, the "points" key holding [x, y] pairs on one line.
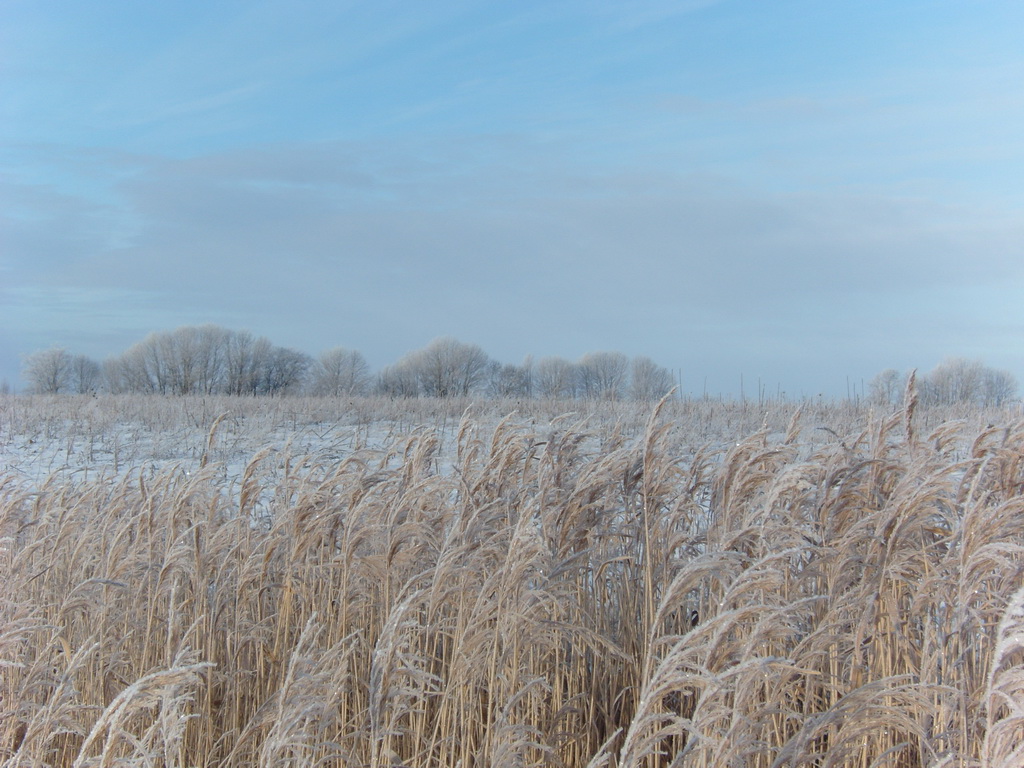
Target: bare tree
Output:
{"points": [[244, 360], [955, 380], [114, 378], [527, 369], [887, 387], [397, 381], [144, 368], [509, 380], [151, 366], [340, 372], [203, 359], [447, 367], [194, 358], [175, 350], [283, 372], [603, 375], [998, 387], [649, 381], [555, 377], [85, 375], [138, 369], [49, 371], [958, 380]]}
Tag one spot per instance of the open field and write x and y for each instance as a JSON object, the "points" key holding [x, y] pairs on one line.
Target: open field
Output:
{"points": [[239, 582]]}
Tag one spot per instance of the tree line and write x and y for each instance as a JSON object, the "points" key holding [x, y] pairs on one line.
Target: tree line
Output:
{"points": [[210, 359], [953, 381]]}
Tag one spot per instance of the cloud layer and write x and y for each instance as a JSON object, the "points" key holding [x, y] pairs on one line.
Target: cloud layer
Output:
{"points": [[730, 191]]}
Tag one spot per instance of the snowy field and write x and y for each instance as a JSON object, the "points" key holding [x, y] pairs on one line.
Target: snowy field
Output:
{"points": [[60, 442], [83, 436]]}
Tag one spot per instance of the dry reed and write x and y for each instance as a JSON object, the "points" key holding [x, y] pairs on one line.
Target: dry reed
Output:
{"points": [[560, 596]]}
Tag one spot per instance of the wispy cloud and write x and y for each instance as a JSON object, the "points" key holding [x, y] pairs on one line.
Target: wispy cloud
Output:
{"points": [[641, 13], [727, 185], [386, 251]]}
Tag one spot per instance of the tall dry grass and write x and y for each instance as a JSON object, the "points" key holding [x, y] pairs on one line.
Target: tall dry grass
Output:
{"points": [[560, 597]]}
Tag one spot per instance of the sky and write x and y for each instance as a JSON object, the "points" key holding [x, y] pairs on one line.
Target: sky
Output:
{"points": [[797, 194]]}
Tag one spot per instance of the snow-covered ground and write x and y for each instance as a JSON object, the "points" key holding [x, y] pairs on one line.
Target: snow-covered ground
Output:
{"points": [[86, 436]]}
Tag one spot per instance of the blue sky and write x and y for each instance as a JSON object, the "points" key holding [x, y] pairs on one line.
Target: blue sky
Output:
{"points": [[803, 192]]}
